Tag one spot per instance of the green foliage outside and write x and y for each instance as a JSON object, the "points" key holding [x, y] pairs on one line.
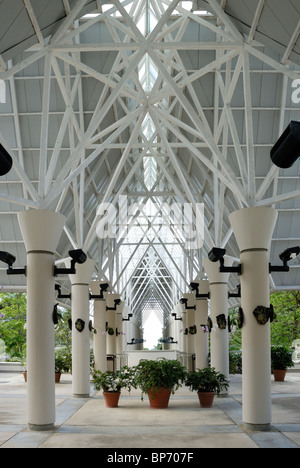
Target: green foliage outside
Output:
{"points": [[286, 326], [12, 323], [284, 329], [13, 308]]}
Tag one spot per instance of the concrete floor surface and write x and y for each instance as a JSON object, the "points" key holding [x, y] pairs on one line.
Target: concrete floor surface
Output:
{"points": [[87, 423]]}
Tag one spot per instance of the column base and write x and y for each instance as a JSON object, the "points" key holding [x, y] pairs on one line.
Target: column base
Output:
{"points": [[84, 395], [257, 427], [43, 427]]}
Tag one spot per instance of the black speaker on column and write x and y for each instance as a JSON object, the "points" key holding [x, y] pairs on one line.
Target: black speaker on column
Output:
{"points": [[5, 161], [287, 149]]}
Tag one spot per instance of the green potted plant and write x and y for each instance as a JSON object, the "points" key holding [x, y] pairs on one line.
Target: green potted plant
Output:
{"points": [[112, 383], [281, 359], [63, 362], [159, 379], [207, 383]]}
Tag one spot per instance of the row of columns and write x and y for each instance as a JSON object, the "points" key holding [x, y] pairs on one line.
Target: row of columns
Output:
{"points": [[181, 323], [41, 230], [253, 228]]}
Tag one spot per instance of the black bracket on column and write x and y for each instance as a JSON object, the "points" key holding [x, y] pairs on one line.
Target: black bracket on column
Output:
{"points": [[103, 288], [175, 316], [217, 255], [117, 302], [77, 256], [285, 256], [9, 259], [195, 287], [127, 319], [60, 295], [184, 302], [238, 294]]}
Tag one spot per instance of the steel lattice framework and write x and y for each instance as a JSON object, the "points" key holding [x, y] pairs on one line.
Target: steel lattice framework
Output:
{"points": [[142, 104]]}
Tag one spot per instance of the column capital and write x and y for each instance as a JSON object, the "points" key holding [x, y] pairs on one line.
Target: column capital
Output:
{"points": [[84, 272], [253, 227], [95, 289], [203, 286], [110, 299], [41, 229]]}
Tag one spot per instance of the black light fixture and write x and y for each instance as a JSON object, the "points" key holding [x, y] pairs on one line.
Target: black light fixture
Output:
{"points": [[77, 256], [5, 161], [169, 340], [185, 302], [175, 316], [91, 328], [217, 255], [103, 288], [9, 259], [238, 294], [286, 150], [195, 287], [55, 315], [128, 318], [117, 302], [286, 256], [60, 295], [135, 341]]}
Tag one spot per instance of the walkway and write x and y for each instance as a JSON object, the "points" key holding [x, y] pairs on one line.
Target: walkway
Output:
{"points": [[87, 423]]}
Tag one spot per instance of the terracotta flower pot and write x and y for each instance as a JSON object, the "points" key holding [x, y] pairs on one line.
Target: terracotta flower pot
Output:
{"points": [[279, 375], [159, 397], [111, 399], [206, 399], [57, 377]]}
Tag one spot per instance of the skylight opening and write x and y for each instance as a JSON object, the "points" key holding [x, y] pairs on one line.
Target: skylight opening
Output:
{"points": [[148, 73]]}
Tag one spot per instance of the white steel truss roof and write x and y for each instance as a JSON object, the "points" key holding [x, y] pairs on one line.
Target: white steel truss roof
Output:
{"points": [[143, 104]]}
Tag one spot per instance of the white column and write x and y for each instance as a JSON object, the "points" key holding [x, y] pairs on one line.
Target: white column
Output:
{"points": [[219, 342], [99, 325], [253, 228], [167, 334], [126, 329], [190, 322], [81, 339], [201, 316], [119, 326], [41, 231], [184, 339], [180, 327], [173, 331], [111, 340]]}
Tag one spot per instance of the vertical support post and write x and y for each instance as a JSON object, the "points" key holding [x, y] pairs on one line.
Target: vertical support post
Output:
{"points": [[218, 283], [201, 316], [41, 231], [253, 228], [81, 339], [190, 322], [111, 320], [99, 325], [119, 338]]}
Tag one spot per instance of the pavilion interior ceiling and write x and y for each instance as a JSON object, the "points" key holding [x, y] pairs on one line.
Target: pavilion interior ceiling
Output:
{"points": [[140, 105]]}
